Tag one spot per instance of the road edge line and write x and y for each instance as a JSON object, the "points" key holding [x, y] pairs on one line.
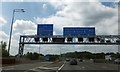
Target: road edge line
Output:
{"points": [[61, 67]]}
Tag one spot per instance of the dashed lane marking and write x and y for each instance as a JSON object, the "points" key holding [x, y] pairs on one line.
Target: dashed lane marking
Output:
{"points": [[83, 67], [9, 69], [37, 69], [61, 67], [48, 68], [104, 67]]}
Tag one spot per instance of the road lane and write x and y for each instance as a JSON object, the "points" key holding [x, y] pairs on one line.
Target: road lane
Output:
{"points": [[88, 66], [53, 67], [50, 66], [67, 66], [24, 67]]}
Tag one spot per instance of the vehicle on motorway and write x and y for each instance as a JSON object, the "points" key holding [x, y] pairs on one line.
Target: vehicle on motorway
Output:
{"points": [[91, 59], [73, 62], [117, 61], [80, 60], [67, 59]]}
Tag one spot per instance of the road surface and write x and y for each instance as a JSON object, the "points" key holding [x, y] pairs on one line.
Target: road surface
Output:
{"points": [[24, 67], [86, 66]]}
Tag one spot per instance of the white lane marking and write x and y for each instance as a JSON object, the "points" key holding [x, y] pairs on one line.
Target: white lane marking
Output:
{"points": [[31, 70], [37, 69], [83, 67], [104, 67], [48, 68], [24, 64], [41, 67], [9, 69], [61, 67], [7, 66], [1, 69]]}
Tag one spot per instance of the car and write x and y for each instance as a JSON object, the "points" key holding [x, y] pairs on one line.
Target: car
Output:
{"points": [[80, 60], [73, 62], [117, 61], [67, 59]]}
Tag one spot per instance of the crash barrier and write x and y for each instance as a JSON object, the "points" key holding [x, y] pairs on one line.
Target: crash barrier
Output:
{"points": [[7, 60], [99, 60]]}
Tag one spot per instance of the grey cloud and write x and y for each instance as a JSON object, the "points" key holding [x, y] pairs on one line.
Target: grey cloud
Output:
{"points": [[98, 17]]}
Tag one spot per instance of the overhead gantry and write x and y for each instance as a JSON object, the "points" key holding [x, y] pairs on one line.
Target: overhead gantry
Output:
{"points": [[60, 39]]}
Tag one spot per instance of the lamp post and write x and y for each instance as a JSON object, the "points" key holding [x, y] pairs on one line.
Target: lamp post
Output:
{"points": [[15, 10]]}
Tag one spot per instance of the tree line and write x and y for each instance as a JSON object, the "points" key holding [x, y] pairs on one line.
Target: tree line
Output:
{"points": [[89, 55], [35, 56]]}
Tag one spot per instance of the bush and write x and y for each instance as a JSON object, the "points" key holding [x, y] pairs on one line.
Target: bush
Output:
{"points": [[3, 51]]}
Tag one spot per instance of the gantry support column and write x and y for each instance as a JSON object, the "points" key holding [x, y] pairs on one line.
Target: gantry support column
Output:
{"points": [[21, 49], [21, 46]]}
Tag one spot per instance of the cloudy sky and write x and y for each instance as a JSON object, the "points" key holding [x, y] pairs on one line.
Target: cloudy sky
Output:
{"points": [[102, 15]]}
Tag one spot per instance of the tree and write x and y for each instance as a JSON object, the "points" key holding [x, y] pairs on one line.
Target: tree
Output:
{"points": [[3, 50], [32, 56]]}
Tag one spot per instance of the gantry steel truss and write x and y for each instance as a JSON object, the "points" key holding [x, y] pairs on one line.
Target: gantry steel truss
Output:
{"points": [[60, 39]]}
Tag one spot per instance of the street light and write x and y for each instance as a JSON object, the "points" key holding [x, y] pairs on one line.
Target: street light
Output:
{"points": [[15, 10]]}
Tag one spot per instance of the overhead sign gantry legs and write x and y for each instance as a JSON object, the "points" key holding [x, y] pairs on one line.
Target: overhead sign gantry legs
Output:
{"points": [[59, 39]]}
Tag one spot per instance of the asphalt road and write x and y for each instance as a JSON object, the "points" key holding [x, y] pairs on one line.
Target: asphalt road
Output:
{"points": [[86, 66], [24, 67]]}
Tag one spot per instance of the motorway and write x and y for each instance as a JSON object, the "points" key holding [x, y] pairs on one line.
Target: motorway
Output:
{"points": [[89, 66], [63, 66], [24, 67]]}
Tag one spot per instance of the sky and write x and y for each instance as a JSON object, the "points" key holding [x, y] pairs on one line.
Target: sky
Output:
{"points": [[102, 15]]}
